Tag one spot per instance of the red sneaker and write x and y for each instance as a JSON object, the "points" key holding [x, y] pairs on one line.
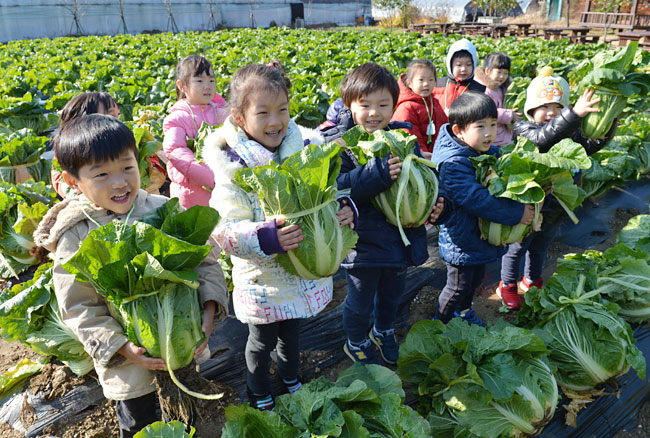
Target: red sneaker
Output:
{"points": [[527, 284], [509, 295]]}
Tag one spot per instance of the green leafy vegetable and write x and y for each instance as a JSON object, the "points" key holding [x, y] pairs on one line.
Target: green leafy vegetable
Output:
{"points": [[480, 382], [29, 313], [147, 275], [636, 234], [17, 374], [303, 191], [23, 148], [409, 201], [160, 429]]}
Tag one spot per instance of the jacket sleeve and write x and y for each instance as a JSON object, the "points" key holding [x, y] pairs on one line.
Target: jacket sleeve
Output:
{"points": [[593, 145], [83, 310], [406, 113], [365, 182], [461, 187], [181, 157], [212, 283], [564, 125], [504, 116], [237, 232]]}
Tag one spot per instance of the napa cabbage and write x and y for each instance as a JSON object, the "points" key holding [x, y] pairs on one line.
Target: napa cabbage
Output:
{"points": [[302, 190], [408, 202], [146, 273], [479, 382], [23, 148], [29, 313], [525, 175]]}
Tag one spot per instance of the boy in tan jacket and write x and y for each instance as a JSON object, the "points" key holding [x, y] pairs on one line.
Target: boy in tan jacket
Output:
{"points": [[98, 156]]}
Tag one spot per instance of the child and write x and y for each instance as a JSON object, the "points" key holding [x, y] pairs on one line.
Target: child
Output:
{"points": [[266, 297], [551, 120], [461, 64], [90, 102], [376, 267], [417, 105], [198, 102], [496, 77], [98, 156], [470, 132]]}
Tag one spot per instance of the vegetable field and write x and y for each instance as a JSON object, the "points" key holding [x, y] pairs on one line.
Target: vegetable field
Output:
{"points": [[460, 381]]}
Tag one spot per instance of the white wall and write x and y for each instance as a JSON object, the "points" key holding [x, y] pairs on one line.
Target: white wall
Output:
{"points": [[20, 19]]}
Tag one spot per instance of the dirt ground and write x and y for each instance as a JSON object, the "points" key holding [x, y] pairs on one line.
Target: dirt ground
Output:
{"points": [[100, 422]]}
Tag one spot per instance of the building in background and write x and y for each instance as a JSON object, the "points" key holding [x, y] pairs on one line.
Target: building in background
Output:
{"points": [[25, 19]]}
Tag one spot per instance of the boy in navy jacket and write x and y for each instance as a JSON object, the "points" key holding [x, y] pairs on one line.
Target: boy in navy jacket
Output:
{"points": [[376, 267], [470, 132]]}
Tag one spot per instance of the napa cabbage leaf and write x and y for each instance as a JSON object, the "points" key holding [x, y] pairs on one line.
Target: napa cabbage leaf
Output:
{"points": [[303, 191]]}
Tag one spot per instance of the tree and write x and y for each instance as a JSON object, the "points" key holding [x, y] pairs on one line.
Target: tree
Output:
{"points": [[395, 7], [493, 8]]}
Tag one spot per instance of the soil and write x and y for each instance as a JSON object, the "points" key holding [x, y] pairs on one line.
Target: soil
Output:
{"points": [[100, 421]]}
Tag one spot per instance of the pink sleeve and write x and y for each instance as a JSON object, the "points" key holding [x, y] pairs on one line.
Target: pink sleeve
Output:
{"points": [[504, 116], [182, 157]]}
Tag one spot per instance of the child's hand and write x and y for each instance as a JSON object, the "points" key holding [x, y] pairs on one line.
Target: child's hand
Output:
{"points": [[584, 105], [340, 141], [209, 309], [437, 210], [346, 215], [288, 237], [529, 214], [394, 167], [136, 355], [516, 116], [426, 155]]}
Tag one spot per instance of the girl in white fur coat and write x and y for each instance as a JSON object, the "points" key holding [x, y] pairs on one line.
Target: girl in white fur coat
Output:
{"points": [[266, 297]]}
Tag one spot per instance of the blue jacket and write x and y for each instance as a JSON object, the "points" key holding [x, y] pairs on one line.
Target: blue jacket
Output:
{"points": [[459, 239], [379, 244]]}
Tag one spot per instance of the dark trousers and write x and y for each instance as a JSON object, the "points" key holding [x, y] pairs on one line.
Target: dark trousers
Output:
{"points": [[534, 247], [458, 293], [371, 291], [134, 414], [262, 339]]}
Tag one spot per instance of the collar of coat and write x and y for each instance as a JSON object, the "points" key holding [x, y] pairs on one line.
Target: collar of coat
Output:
{"points": [[68, 213]]}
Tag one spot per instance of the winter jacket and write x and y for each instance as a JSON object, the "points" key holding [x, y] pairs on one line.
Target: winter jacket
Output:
{"points": [[546, 135], [504, 118], [459, 238], [379, 244], [452, 88], [191, 181], [62, 231], [418, 110], [264, 292]]}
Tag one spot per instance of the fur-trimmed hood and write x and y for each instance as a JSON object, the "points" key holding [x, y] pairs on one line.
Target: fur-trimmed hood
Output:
{"points": [[68, 213], [228, 149]]}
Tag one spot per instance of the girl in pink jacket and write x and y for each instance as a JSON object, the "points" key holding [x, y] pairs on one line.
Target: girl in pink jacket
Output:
{"points": [[191, 181]]}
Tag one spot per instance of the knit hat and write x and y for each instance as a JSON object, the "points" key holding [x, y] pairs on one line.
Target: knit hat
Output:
{"points": [[545, 89]]}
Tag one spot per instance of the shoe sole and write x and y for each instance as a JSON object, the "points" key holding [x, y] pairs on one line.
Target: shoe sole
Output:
{"points": [[504, 303], [381, 352]]}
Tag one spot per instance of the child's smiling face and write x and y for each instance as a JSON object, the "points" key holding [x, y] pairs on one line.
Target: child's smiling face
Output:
{"points": [[266, 118], [374, 110], [422, 82], [112, 184], [462, 67]]}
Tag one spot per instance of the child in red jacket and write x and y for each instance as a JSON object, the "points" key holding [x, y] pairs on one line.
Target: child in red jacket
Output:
{"points": [[417, 105]]}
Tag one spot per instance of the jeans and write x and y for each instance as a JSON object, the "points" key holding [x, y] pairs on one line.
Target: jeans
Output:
{"points": [[375, 291], [262, 339], [458, 293], [534, 247], [134, 414]]}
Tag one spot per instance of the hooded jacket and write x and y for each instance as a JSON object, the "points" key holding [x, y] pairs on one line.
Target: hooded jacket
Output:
{"points": [[453, 88], [459, 239], [84, 311], [415, 109], [191, 181], [264, 292]]}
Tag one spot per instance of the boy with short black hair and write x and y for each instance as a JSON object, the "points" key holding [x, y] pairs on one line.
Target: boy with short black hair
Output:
{"points": [[98, 156], [462, 60], [470, 132], [376, 267]]}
